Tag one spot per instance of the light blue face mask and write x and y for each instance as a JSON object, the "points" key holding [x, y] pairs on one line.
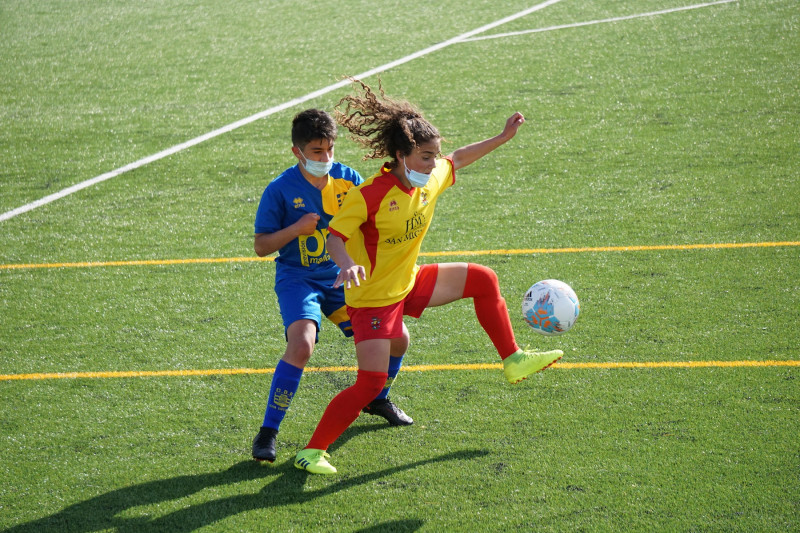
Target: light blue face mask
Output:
{"points": [[317, 168], [416, 179]]}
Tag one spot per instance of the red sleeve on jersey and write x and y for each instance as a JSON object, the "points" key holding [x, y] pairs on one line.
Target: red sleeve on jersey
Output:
{"points": [[453, 168], [334, 232]]}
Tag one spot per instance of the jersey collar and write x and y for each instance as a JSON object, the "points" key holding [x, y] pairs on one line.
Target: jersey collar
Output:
{"points": [[386, 171]]}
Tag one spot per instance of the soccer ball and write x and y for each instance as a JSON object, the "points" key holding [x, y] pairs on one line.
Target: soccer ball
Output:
{"points": [[550, 307]]}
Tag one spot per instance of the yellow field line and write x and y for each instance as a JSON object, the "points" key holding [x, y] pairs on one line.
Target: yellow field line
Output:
{"points": [[144, 262], [709, 246], [408, 368], [523, 251]]}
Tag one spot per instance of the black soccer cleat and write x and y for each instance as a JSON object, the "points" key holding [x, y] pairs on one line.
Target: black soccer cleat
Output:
{"points": [[386, 409], [264, 445]]}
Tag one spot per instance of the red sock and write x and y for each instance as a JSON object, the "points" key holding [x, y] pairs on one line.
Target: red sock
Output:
{"points": [[490, 307], [345, 407]]}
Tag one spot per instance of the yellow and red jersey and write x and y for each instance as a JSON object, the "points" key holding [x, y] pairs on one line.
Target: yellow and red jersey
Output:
{"points": [[383, 224]]}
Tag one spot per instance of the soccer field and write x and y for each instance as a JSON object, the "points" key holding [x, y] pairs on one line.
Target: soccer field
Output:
{"points": [[658, 173]]}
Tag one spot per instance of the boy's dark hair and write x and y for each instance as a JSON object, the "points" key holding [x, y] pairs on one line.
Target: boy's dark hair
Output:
{"points": [[312, 124]]}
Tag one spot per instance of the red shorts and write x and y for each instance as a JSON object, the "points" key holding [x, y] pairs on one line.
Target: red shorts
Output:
{"points": [[387, 322]]}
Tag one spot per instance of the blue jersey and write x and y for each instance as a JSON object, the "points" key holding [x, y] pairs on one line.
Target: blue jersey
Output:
{"points": [[285, 200]]}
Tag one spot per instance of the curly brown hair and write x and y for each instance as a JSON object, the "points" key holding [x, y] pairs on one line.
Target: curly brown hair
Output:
{"points": [[383, 125]]}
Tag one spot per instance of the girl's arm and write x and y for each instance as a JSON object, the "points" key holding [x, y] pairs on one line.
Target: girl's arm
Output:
{"points": [[349, 271], [472, 152]]}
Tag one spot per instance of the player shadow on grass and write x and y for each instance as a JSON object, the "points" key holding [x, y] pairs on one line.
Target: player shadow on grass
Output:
{"points": [[287, 488]]}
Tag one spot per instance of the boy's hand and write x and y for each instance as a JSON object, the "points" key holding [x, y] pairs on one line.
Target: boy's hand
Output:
{"points": [[307, 224], [351, 274]]}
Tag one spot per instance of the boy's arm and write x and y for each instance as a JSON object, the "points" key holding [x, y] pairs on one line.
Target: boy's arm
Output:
{"points": [[266, 243], [472, 152], [349, 270]]}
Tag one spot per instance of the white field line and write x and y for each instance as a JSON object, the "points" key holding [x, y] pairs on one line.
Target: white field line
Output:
{"points": [[267, 112], [603, 21]]}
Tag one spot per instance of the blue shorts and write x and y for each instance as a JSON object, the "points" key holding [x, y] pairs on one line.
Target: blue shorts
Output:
{"points": [[303, 298]]}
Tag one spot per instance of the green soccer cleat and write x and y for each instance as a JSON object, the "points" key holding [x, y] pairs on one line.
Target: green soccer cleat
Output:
{"points": [[520, 365], [315, 461]]}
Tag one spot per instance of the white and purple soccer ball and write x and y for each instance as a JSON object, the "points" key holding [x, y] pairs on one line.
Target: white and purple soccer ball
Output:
{"points": [[550, 307]]}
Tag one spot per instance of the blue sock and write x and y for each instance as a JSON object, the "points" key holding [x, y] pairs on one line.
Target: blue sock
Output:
{"points": [[285, 382], [394, 367]]}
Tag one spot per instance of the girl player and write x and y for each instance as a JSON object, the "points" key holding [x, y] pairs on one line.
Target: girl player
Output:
{"points": [[375, 239]]}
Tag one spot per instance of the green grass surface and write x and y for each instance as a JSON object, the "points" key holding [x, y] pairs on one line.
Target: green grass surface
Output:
{"points": [[675, 129]]}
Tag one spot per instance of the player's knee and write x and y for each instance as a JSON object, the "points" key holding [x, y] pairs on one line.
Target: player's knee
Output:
{"points": [[297, 358], [399, 345], [298, 352], [481, 280]]}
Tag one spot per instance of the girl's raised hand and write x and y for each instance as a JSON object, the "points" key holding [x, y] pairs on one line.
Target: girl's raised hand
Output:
{"points": [[512, 125]]}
